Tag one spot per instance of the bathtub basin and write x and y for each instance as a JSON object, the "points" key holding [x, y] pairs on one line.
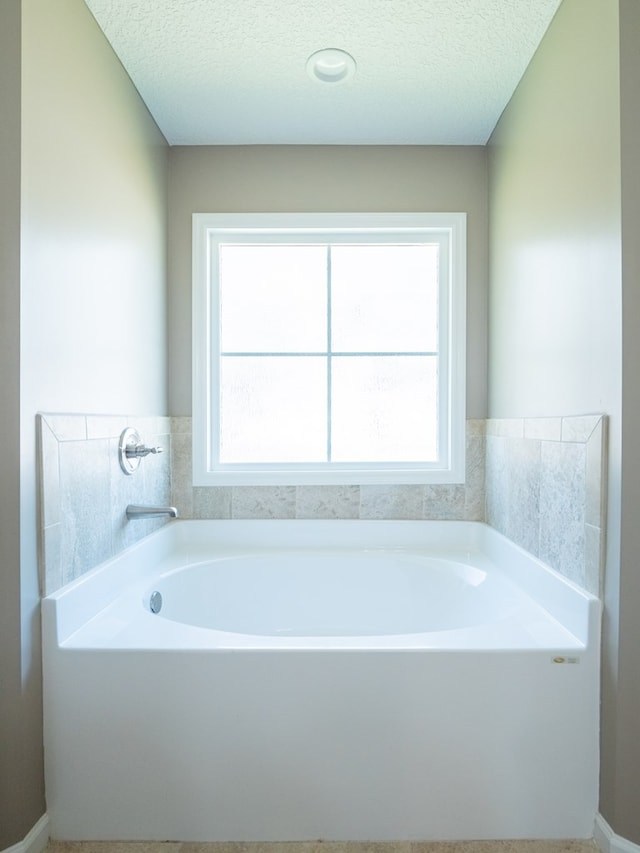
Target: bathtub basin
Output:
{"points": [[336, 680]]}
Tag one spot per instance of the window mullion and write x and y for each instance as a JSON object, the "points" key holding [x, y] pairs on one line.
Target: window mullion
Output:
{"points": [[329, 363]]}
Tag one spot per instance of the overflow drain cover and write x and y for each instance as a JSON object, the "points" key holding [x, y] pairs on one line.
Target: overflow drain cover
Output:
{"points": [[155, 602]]}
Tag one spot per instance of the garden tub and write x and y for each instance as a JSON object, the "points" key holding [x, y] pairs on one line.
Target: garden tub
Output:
{"points": [[339, 680]]}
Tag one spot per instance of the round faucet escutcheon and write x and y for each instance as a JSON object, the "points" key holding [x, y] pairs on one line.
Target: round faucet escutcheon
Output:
{"points": [[131, 449]]}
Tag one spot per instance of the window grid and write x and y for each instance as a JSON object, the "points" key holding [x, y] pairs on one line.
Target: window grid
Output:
{"points": [[213, 231], [329, 354]]}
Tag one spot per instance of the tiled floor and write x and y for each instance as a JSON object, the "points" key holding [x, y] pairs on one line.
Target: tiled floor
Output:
{"points": [[325, 847]]}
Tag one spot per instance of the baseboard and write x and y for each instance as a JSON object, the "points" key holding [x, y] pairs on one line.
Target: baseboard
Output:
{"points": [[609, 842], [36, 839]]}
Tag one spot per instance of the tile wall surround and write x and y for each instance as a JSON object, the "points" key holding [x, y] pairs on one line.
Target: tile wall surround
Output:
{"points": [[84, 493], [444, 502], [539, 481], [546, 490]]}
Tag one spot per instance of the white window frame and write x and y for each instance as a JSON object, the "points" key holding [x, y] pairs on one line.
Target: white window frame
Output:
{"points": [[210, 229]]}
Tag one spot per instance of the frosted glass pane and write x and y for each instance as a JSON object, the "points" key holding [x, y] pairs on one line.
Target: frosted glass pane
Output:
{"points": [[384, 409], [384, 298], [273, 409], [273, 298]]}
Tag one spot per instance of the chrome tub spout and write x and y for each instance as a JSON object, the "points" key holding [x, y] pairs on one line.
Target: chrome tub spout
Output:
{"points": [[133, 512]]}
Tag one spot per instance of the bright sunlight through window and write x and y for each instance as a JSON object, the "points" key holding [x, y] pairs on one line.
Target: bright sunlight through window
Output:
{"points": [[329, 348]]}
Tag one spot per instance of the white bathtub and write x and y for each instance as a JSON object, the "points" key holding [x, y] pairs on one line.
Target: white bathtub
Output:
{"points": [[337, 680]]}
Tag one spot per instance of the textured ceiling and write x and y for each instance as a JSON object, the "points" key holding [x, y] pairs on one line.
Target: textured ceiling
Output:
{"points": [[429, 72]]}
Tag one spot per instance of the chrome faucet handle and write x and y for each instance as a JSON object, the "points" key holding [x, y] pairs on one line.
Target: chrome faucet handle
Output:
{"points": [[140, 450], [131, 449]]}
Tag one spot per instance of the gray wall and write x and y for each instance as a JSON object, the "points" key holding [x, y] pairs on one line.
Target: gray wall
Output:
{"points": [[88, 199], [564, 290], [319, 179], [21, 784], [554, 343], [621, 761]]}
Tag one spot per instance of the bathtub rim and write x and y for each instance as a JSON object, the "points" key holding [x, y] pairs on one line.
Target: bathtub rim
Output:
{"points": [[182, 542]]}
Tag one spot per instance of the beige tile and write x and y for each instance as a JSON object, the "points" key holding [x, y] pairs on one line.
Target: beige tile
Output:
{"points": [[476, 427], [580, 427], [593, 559], [105, 426], [547, 429], [49, 474], [211, 502], [506, 427], [182, 492], [181, 424], [443, 502], [561, 502], [327, 501], [596, 462], [51, 559], [474, 487], [263, 502], [67, 427], [392, 502]]}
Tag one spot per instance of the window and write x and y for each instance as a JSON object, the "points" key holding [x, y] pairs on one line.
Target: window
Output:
{"points": [[329, 348]]}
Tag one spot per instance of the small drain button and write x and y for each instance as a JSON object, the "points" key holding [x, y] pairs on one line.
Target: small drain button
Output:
{"points": [[155, 602]]}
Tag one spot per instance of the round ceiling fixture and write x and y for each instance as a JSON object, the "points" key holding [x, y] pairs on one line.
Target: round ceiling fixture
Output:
{"points": [[331, 65]]}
